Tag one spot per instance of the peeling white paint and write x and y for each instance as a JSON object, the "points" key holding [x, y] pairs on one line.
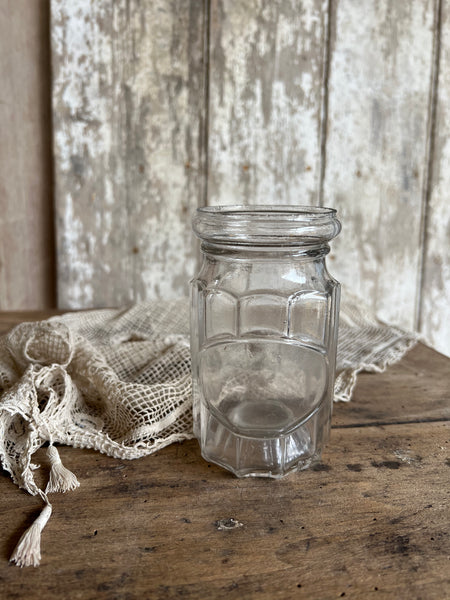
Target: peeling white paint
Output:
{"points": [[125, 126], [264, 129], [376, 149], [81, 290], [128, 97]]}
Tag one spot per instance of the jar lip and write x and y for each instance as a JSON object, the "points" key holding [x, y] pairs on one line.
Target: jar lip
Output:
{"points": [[266, 224], [261, 210]]}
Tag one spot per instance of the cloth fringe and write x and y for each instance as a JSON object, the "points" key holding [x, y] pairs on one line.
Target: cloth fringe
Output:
{"points": [[27, 553], [60, 479]]}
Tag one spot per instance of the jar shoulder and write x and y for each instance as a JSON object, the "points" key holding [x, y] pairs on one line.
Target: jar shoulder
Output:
{"points": [[280, 277]]}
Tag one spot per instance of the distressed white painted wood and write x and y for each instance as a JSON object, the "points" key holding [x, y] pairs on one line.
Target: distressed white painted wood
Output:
{"points": [[435, 300], [129, 98], [128, 104], [379, 85], [265, 92]]}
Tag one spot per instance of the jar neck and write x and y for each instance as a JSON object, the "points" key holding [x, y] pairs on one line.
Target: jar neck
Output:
{"points": [[252, 252]]}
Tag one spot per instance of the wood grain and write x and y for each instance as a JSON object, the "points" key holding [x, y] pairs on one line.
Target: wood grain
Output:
{"points": [[367, 524], [378, 94], [162, 106], [128, 129], [26, 222], [435, 299], [414, 390], [265, 101]]}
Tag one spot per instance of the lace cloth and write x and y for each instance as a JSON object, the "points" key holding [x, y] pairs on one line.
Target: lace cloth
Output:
{"points": [[119, 381]]}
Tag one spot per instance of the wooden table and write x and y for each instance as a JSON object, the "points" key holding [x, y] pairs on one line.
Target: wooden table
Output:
{"points": [[371, 521]]}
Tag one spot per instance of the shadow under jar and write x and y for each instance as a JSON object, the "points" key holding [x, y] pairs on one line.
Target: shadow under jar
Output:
{"points": [[264, 318]]}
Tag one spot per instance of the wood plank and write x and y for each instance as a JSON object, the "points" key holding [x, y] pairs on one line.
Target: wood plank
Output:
{"points": [[415, 389], [371, 522], [26, 224], [435, 305], [379, 85], [8, 319], [128, 130], [265, 101]]}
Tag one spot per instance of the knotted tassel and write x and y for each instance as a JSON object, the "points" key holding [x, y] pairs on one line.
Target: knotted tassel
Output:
{"points": [[60, 479], [27, 553]]}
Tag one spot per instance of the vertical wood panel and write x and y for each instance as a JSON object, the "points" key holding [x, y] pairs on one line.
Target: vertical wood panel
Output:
{"points": [[435, 305], [266, 72], [128, 105], [379, 86], [129, 102], [26, 223]]}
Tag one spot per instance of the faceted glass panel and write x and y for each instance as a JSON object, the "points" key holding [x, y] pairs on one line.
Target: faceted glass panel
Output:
{"points": [[262, 312], [221, 314], [308, 313]]}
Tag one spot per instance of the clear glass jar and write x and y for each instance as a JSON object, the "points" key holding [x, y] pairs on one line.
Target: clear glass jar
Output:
{"points": [[264, 329]]}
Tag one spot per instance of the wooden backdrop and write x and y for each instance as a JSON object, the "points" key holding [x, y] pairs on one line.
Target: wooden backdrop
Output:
{"points": [[160, 106]]}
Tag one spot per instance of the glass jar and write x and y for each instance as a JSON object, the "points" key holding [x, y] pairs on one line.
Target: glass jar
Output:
{"points": [[264, 329]]}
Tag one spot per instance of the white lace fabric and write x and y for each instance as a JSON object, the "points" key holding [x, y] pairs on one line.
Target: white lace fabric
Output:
{"points": [[119, 381]]}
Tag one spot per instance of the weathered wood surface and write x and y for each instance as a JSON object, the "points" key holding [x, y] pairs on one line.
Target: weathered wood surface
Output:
{"points": [[370, 522], [26, 219], [160, 107], [435, 306], [414, 390], [376, 148], [265, 101], [10, 318], [128, 104]]}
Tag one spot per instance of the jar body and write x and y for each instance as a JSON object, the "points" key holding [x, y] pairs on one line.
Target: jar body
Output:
{"points": [[264, 330]]}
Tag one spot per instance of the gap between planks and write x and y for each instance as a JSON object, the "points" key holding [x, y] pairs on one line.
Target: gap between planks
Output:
{"points": [[331, 21], [429, 159], [387, 423]]}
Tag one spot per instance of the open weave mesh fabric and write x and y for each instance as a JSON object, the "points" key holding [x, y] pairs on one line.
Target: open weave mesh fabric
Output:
{"points": [[119, 381]]}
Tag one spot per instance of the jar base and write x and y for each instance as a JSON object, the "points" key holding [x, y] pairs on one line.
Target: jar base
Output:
{"points": [[301, 465], [261, 456]]}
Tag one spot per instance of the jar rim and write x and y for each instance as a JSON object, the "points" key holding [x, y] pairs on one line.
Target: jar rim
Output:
{"points": [[266, 224], [280, 211]]}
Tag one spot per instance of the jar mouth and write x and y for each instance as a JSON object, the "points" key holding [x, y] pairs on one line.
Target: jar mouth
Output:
{"points": [[266, 225]]}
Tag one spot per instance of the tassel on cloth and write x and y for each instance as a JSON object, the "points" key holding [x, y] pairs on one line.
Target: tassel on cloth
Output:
{"points": [[60, 479], [27, 553]]}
